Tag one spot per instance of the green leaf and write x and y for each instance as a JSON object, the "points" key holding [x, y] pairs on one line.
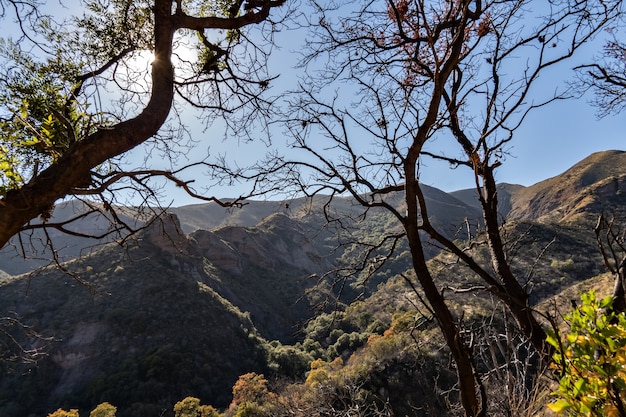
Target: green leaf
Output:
{"points": [[553, 341], [606, 302], [559, 406], [24, 110], [578, 387]]}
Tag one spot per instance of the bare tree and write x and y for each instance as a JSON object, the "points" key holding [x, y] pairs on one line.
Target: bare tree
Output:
{"points": [[610, 238], [412, 82], [607, 76], [59, 138]]}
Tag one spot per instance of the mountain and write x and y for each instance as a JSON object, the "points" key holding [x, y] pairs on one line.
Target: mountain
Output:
{"points": [[204, 294], [445, 209], [505, 194], [94, 226], [266, 271], [595, 184], [128, 322], [210, 216], [90, 232]]}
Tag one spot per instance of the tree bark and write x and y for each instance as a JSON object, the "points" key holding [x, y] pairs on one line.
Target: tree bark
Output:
{"points": [[473, 404], [72, 170], [515, 296], [619, 292], [468, 385]]}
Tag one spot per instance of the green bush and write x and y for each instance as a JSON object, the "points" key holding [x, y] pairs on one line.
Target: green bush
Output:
{"points": [[565, 265], [590, 360], [104, 410]]}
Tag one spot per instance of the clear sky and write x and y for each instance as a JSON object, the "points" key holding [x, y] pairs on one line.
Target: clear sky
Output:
{"points": [[551, 140]]}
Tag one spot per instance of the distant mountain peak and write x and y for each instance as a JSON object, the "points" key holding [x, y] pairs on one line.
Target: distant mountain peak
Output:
{"points": [[575, 191]]}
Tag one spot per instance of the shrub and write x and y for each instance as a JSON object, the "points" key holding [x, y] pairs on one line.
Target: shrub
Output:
{"points": [[591, 360], [62, 413], [250, 387], [188, 407], [104, 410], [249, 409], [566, 265]]}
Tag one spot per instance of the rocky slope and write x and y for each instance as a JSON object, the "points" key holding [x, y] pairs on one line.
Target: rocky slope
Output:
{"points": [[168, 309], [190, 303]]}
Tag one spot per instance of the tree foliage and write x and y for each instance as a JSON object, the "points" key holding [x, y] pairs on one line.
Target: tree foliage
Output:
{"points": [[63, 413], [104, 410], [590, 358], [251, 396], [77, 92], [250, 387]]}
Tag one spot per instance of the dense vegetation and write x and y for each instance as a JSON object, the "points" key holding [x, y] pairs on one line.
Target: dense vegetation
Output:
{"points": [[172, 317], [388, 296]]}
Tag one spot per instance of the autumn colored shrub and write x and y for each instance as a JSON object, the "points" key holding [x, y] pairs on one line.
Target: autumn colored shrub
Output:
{"points": [[103, 410], [250, 387], [251, 397], [62, 413]]}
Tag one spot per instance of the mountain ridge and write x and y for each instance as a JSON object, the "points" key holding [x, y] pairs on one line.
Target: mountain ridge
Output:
{"points": [[538, 200], [235, 299]]}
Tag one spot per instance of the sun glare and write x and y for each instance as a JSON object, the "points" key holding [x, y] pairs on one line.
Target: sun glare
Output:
{"points": [[141, 61], [184, 58]]}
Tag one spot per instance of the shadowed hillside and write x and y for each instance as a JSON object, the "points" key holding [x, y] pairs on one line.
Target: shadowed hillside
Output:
{"points": [[192, 301], [134, 322]]}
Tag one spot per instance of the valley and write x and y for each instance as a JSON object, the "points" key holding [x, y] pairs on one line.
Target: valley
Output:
{"points": [[203, 295]]}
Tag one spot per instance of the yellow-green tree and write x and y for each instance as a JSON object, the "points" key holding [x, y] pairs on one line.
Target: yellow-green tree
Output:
{"points": [[249, 409], [104, 409], [321, 371], [591, 361], [62, 413], [190, 407]]}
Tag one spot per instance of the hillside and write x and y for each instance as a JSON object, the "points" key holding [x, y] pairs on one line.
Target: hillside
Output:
{"points": [[127, 326], [445, 209], [506, 193], [132, 321], [595, 184], [446, 212], [94, 226], [206, 294]]}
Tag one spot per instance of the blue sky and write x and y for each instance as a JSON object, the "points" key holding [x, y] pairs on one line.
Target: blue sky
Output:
{"points": [[550, 141]]}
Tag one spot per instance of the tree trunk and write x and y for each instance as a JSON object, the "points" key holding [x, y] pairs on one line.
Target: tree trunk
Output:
{"points": [[473, 404], [619, 292], [72, 170], [515, 296]]}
